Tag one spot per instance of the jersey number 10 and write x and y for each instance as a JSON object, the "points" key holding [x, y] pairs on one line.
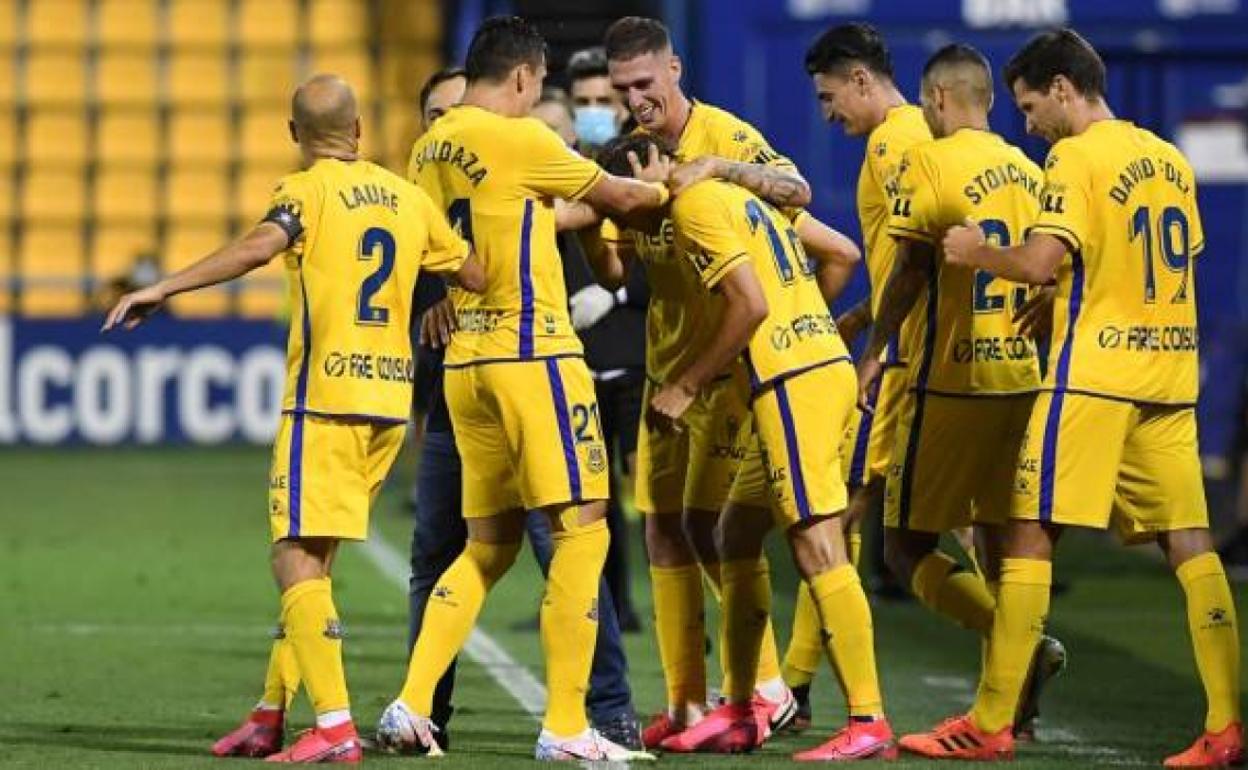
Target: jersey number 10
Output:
{"points": [[784, 265]]}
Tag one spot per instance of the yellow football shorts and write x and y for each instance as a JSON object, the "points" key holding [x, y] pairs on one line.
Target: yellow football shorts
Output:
{"points": [[799, 466], [529, 434], [325, 474], [867, 446], [694, 468], [953, 461], [1092, 462]]}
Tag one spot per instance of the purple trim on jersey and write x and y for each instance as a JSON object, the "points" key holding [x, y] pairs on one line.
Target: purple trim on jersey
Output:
{"points": [[791, 447], [526, 282], [858, 462], [1053, 422], [295, 470], [565, 428], [920, 397]]}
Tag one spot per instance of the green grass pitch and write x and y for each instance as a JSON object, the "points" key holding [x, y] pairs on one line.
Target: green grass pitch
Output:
{"points": [[135, 603]]}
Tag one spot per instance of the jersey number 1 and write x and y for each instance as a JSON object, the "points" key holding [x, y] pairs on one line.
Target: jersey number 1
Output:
{"points": [[374, 238]]}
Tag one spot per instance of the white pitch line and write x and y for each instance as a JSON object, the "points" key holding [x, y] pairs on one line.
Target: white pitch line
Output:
{"points": [[481, 648]]}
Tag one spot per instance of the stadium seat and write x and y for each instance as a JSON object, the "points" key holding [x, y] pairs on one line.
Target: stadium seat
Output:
{"points": [[262, 293], [198, 79], [55, 78], [197, 195], [185, 245], [51, 265], [128, 137], [8, 38], [393, 139], [353, 65], [128, 23], [255, 190], [126, 78], [268, 23], [199, 137], [336, 23], [266, 138], [6, 207], [125, 194], [53, 195], [198, 24], [115, 247], [60, 23], [56, 138], [266, 77], [8, 145], [8, 78]]}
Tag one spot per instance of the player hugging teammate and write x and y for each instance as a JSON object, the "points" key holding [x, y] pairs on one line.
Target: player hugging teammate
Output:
{"points": [[756, 417]]}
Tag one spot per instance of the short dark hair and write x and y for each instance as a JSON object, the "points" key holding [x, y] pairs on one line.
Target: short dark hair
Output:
{"points": [[587, 63], [957, 53], [633, 36], [845, 44], [435, 80], [613, 156], [501, 44], [1057, 52]]}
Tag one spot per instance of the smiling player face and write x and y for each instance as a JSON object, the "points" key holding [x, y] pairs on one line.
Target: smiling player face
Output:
{"points": [[842, 99], [649, 85]]}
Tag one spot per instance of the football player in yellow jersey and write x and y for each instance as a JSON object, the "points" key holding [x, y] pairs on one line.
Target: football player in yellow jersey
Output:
{"points": [[353, 237], [973, 374], [1112, 437], [798, 380], [520, 397], [683, 478], [852, 72]]}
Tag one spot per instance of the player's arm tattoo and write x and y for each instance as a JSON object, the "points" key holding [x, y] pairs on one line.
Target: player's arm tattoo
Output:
{"points": [[777, 186], [915, 263]]}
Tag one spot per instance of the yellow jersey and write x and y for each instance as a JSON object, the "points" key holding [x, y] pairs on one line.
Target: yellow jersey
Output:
{"points": [[1124, 325], [961, 331], [676, 325], [719, 227], [497, 179], [902, 128], [359, 235]]}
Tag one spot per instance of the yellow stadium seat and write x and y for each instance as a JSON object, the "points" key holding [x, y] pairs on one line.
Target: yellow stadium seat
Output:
{"points": [[56, 138], [262, 293], [8, 38], [6, 208], [128, 23], [55, 78], [197, 195], [125, 194], [115, 247], [200, 137], [268, 23], [8, 78], [255, 191], [185, 245], [336, 23], [353, 65], [8, 145], [129, 137], [53, 195], [198, 24], [198, 78], [56, 23], [266, 138], [392, 141], [267, 77], [126, 78], [51, 264]]}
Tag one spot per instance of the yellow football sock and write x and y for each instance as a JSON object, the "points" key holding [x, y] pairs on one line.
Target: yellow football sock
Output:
{"points": [[768, 654], [746, 605], [315, 636], [680, 626], [450, 615], [801, 659], [570, 623], [1022, 607], [1215, 636], [281, 679], [845, 618], [945, 588], [853, 543]]}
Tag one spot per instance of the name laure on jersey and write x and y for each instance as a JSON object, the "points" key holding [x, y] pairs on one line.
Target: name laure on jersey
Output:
{"points": [[453, 155], [369, 195]]}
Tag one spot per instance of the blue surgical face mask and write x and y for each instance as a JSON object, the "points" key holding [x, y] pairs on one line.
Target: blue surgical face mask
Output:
{"points": [[595, 124]]}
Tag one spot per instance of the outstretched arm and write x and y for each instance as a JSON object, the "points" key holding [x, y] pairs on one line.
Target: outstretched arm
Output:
{"points": [[264, 241]]}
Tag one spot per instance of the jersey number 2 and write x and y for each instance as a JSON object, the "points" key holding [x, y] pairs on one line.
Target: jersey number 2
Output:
{"points": [[374, 238]]}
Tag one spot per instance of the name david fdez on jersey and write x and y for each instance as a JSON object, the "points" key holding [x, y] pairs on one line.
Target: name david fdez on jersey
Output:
{"points": [[368, 366]]}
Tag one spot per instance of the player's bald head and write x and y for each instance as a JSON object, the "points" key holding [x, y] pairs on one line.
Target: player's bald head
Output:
{"points": [[963, 73], [324, 105]]}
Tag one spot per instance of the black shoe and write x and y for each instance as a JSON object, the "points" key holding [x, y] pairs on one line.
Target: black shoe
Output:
{"points": [[801, 721], [623, 730]]}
